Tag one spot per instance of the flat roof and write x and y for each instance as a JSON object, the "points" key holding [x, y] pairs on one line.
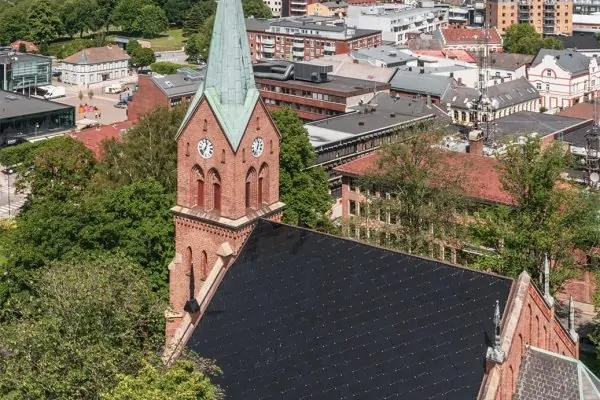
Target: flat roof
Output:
{"points": [[526, 122], [22, 57], [389, 112], [177, 84], [16, 105], [339, 84]]}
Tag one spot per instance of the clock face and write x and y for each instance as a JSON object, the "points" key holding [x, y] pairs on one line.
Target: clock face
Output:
{"points": [[205, 148], [258, 146]]}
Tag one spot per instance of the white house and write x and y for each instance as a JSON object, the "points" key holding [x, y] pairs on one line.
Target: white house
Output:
{"points": [[94, 65], [564, 77]]}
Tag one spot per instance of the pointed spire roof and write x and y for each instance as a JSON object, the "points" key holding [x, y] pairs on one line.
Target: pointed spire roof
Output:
{"points": [[229, 84]]}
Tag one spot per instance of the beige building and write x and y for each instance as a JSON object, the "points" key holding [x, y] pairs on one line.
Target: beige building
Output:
{"points": [[549, 17], [328, 9]]}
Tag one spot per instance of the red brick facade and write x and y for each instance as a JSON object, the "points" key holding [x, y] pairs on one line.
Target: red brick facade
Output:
{"points": [[212, 196], [148, 97]]}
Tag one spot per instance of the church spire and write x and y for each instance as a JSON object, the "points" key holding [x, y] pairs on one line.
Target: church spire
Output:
{"points": [[229, 83]]}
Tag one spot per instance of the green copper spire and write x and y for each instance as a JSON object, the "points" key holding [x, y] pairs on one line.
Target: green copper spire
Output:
{"points": [[229, 84]]}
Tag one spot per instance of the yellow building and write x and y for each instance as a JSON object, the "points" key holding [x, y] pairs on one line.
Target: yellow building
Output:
{"points": [[549, 17], [328, 9]]}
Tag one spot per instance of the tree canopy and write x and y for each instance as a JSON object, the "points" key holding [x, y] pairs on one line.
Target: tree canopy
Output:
{"points": [[523, 39], [303, 186]]}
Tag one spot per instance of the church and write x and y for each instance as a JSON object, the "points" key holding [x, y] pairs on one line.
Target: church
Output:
{"points": [[290, 313]]}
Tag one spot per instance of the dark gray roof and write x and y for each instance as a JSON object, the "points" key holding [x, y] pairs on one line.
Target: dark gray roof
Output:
{"points": [[569, 60], [526, 122], [507, 94], [177, 85], [301, 314], [415, 82], [15, 105], [305, 23], [544, 375], [580, 41], [508, 61], [577, 137], [23, 57], [364, 120]]}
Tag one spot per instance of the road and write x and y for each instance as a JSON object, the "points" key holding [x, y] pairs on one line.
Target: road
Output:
{"points": [[10, 202], [105, 102]]}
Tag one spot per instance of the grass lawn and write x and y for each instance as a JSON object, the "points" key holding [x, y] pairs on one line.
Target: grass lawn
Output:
{"points": [[171, 40]]}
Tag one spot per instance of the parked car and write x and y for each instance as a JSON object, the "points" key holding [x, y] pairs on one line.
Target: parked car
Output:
{"points": [[9, 170], [121, 104]]}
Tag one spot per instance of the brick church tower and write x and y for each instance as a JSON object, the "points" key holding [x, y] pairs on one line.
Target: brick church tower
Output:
{"points": [[227, 164]]}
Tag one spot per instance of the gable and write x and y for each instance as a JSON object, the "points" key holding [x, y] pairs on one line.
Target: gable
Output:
{"points": [[301, 314]]}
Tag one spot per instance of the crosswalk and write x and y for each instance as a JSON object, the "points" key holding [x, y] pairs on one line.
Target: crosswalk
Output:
{"points": [[15, 207]]}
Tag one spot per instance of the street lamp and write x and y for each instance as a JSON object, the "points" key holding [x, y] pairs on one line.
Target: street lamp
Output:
{"points": [[37, 125]]}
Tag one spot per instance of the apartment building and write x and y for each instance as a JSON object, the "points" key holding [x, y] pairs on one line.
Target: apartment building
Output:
{"points": [[549, 17], [397, 23], [328, 9], [564, 77], [305, 38], [586, 7], [275, 6], [459, 37]]}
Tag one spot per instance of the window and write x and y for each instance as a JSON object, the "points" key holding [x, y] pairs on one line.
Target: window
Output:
{"points": [[547, 87], [217, 197], [197, 187], [351, 207], [200, 193], [203, 266], [549, 74], [250, 183], [248, 194]]}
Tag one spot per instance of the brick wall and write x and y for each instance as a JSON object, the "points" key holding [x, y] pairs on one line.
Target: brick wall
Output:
{"points": [[148, 97]]}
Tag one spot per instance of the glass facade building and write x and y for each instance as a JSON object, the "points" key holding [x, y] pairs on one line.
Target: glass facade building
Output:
{"points": [[19, 72]]}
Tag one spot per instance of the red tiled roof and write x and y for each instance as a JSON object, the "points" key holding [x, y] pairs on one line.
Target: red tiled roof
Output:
{"points": [[31, 48], [97, 55], [481, 176], [580, 111], [92, 137], [457, 35]]}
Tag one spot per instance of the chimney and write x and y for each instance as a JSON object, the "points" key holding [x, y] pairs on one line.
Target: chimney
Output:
{"points": [[476, 142], [410, 69], [429, 100], [422, 71]]}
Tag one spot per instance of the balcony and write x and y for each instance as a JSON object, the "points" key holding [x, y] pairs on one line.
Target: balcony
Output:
{"points": [[298, 44], [296, 53], [269, 42], [329, 47], [298, 3], [523, 16], [270, 50], [479, 5], [548, 22]]}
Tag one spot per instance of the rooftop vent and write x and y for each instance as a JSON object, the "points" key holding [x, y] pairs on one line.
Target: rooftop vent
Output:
{"points": [[169, 84], [361, 123], [392, 115]]}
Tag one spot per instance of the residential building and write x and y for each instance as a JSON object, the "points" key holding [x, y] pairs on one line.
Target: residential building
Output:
{"points": [[385, 56], [338, 140], [310, 90], [564, 77], [549, 17], [509, 97], [458, 37], [95, 65], [397, 23], [586, 23], [585, 43], [503, 67], [328, 9], [345, 318], [22, 72], [305, 38], [275, 6], [25, 117], [585, 7], [346, 65]]}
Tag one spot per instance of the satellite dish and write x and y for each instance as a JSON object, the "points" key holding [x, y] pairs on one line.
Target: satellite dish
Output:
{"points": [[594, 177]]}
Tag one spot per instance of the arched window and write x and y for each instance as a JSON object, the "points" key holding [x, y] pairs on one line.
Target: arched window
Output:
{"points": [[536, 331], [529, 323], [205, 127], [187, 149], [263, 184], [250, 188], [189, 271], [258, 123], [214, 180], [197, 187], [511, 382], [271, 146], [223, 156], [203, 266]]}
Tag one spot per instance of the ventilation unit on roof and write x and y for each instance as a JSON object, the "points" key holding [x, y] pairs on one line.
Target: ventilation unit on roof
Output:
{"points": [[169, 84]]}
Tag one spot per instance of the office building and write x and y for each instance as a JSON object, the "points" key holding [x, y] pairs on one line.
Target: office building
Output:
{"points": [[21, 72]]}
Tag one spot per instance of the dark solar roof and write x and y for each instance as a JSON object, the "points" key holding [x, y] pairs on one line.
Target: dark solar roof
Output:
{"points": [[302, 315]]}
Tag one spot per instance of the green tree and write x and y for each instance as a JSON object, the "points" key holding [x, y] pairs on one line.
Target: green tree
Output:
{"points": [[14, 23], [150, 21], [44, 22], [132, 47], [126, 12], [256, 9], [91, 319], [165, 67], [104, 10], [148, 150], [197, 16], [523, 38], [425, 187], [74, 17], [62, 170], [547, 218], [303, 186], [198, 45], [177, 10], [142, 57], [182, 381]]}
